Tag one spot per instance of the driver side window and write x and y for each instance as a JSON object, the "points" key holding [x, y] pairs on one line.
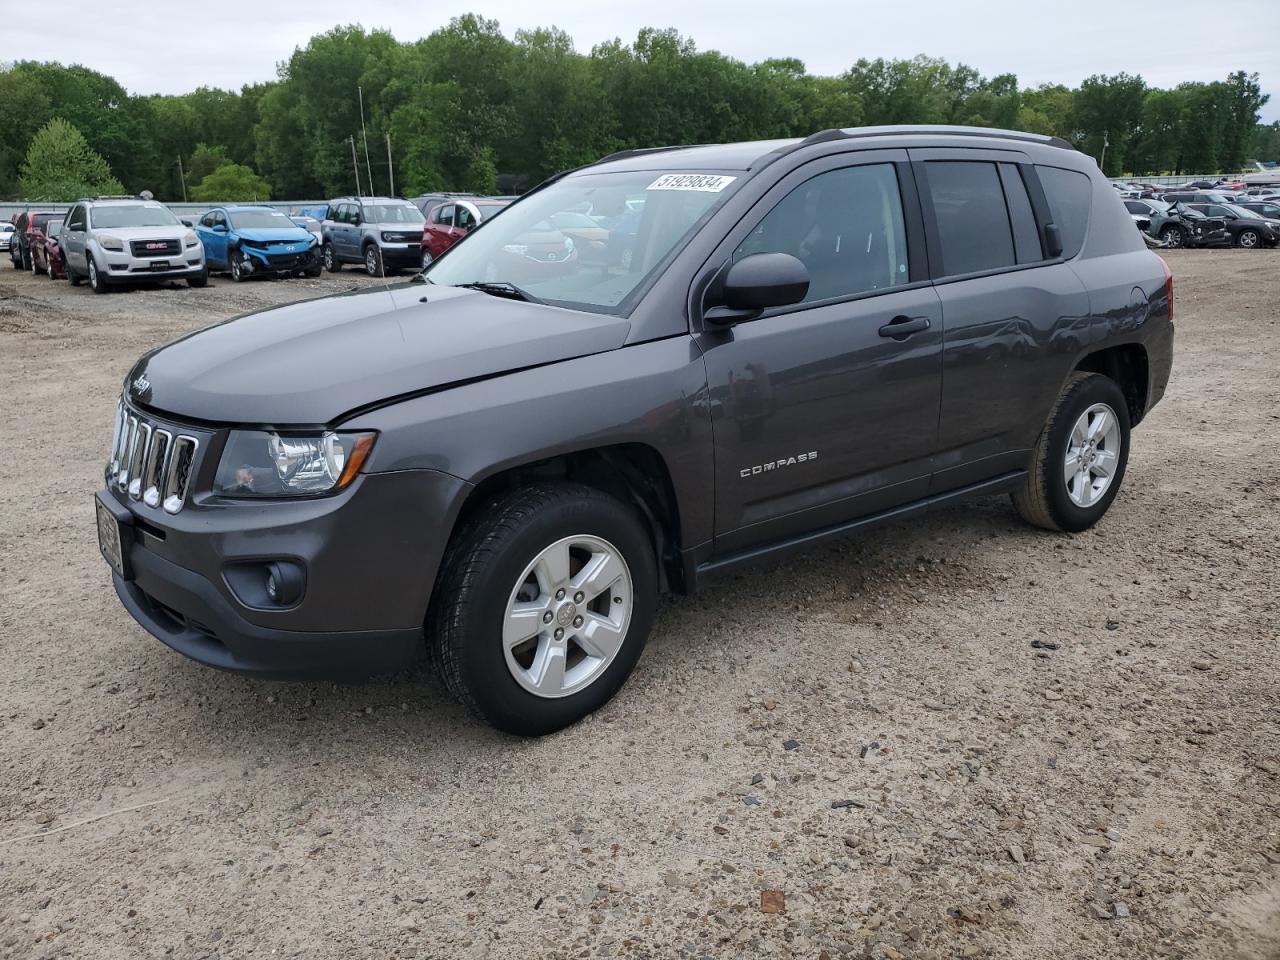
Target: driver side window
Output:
{"points": [[845, 226]]}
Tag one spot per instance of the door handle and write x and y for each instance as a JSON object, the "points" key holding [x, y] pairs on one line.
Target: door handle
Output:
{"points": [[899, 328]]}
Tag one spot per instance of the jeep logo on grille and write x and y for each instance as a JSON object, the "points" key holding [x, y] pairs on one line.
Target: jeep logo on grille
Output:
{"points": [[141, 386], [156, 245]]}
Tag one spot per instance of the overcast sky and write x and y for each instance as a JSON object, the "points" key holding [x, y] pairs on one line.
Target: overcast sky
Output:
{"points": [[173, 48]]}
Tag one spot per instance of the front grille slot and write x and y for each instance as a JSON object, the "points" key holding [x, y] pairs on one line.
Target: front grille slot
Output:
{"points": [[151, 463], [178, 478]]}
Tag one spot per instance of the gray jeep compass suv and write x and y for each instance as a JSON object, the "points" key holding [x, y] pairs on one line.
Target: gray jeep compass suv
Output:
{"points": [[505, 460]]}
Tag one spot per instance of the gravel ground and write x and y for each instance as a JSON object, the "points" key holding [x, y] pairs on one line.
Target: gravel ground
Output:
{"points": [[958, 737]]}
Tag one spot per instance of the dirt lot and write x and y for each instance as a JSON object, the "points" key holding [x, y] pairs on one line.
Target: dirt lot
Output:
{"points": [[1011, 744]]}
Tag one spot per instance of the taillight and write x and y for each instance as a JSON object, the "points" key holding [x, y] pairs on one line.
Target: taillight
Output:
{"points": [[1168, 286]]}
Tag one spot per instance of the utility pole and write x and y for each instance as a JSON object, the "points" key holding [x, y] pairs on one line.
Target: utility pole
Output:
{"points": [[364, 135], [183, 177], [391, 172], [1106, 140], [355, 164]]}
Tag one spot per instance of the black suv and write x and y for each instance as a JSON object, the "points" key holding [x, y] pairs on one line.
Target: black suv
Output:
{"points": [[506, 460]]}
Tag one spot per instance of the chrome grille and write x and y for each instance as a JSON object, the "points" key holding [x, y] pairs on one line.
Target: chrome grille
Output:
{"points": [[150, 462]]}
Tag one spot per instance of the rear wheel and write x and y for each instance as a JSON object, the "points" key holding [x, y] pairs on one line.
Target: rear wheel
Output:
{"points": [[329, 258], [1173, 236], [1249, 239], [545, 602], [1079, 461]]}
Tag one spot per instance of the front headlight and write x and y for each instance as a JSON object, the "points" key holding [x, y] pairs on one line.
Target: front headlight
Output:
{"points": [[259, 464], [190, 239], [108, 242]]}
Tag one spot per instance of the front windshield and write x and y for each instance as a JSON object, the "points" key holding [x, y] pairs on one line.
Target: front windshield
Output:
{"points": [[639, 218], [255, 219], [392, 213], [131, 215]]}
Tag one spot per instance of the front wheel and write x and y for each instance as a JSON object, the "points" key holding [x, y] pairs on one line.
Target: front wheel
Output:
{"points": [[237, 266], [373, 261], [329, 258], [1173, 236], [426, 258], [201, 279], [1249, 239], [97, 282], [1079, 461], [544, 603]]}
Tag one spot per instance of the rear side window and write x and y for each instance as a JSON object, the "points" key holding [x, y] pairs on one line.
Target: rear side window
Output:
{"points": [[1070, 195], [972, 218]]}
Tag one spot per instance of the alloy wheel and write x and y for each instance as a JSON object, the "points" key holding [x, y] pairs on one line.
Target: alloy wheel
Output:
{"points": [[1093, 452], [567, 617]]}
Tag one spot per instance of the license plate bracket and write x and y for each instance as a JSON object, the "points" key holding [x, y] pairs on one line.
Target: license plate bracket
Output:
{"points": [[114, 539], [159, 264]]}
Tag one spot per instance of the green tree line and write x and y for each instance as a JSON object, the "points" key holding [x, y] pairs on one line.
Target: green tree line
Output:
{"points": [[468, 108]]}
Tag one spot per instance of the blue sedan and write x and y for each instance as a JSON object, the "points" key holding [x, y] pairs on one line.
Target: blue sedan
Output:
{"points": [[246, 240]]}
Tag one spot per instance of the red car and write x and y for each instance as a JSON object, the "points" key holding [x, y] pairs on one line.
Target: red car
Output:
{"points": [[55, 261], [28, 231], [449, 222]]}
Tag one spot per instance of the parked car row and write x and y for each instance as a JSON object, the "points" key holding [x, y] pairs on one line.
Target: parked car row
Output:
{"points": [[109, 241], [1182, 220]]}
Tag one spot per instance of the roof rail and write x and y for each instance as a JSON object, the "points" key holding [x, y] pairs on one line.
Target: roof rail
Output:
{"points": [[945, 130], [641, 151]]}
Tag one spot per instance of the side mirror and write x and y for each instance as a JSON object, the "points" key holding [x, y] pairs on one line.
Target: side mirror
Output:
{"points": [[187, 223], [754, 284], [356, 221], [1052, 240], [219, 228]]}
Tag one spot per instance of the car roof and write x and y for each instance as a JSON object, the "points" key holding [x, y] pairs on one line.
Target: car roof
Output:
{"points": [[241, 207]]}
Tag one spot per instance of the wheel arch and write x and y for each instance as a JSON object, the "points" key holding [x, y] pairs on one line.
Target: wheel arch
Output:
{"points": [[1128, 366], [634, 473]]}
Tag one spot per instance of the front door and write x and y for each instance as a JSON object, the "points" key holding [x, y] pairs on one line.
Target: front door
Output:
{"points": [[827, 410]]}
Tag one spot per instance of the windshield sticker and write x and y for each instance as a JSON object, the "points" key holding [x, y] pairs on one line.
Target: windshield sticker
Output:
{"points": [[701, 182]]}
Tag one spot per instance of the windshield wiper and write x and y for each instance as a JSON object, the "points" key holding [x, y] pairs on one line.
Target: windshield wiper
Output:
{"points": [[501, 288]]}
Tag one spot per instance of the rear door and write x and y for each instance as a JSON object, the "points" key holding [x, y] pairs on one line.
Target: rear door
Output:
{"points": [[1014, 320], [827, 410]]}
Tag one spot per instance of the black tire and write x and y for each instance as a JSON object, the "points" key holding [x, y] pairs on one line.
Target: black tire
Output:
{"points": [[201, 279], [1249, 239], [35, 267], [1044, 499], [235, 264], [373, 265], [426, 259], [483, 565], [74, 278], [313, 272], [97, 282], [1172, 236], [329, 258]]}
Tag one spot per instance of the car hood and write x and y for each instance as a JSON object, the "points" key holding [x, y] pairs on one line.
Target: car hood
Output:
{"points": [[314, 362], [275, 234]]}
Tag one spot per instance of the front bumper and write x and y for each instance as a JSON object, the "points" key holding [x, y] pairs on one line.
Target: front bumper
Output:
{"points": [[369, 556], [279, 258], [126, 266], [401, 254]]}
